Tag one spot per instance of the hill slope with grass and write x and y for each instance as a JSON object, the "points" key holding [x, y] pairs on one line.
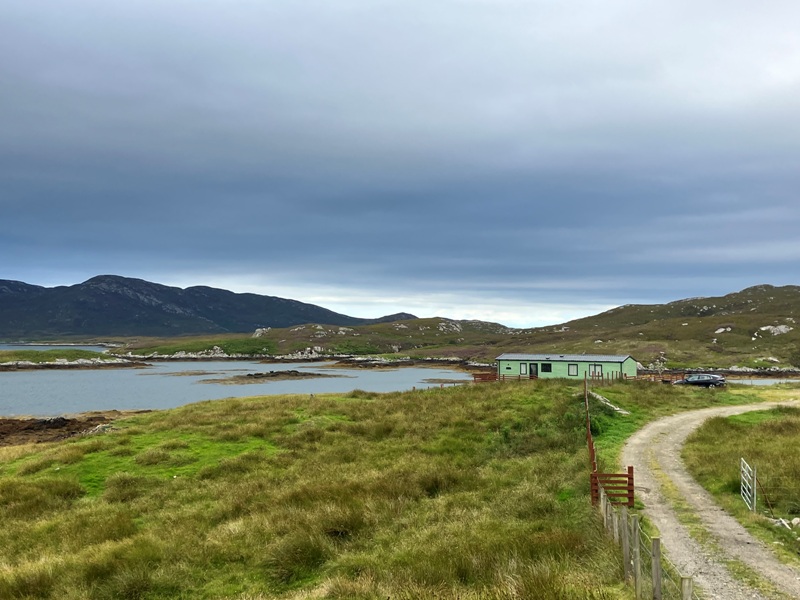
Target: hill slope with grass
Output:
{"points": [[755, 328]]}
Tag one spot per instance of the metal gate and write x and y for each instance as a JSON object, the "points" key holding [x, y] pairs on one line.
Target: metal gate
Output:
{"points": [[748, 483]]}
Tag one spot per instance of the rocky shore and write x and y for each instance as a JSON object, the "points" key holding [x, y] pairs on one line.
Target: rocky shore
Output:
{"points": [[268, 376], [81, 363]]}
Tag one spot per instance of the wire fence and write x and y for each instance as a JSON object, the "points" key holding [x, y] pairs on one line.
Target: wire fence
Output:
{"points": [[652, 574], [781, 495]]}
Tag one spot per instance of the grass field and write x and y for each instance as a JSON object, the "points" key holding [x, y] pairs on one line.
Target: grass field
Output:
{"points": [[768, 440], [458, 493], [648, 401], [230, 344]]}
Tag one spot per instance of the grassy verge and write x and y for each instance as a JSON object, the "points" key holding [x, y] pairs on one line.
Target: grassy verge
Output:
{"points": [[688, 517], [651, 402], [647, 402], [768, 440], [469, 492]]}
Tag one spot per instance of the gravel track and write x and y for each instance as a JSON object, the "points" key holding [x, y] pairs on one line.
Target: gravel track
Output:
{"points": [[654, 452]]}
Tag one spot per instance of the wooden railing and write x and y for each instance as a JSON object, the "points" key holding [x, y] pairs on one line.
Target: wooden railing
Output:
{"points": [[618, 487], [663, 377], [607, 378], [484, 377]]}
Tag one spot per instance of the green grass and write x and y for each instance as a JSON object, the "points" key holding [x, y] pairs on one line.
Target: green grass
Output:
{"points": [[648, 401], [41, 356], [654, 401], [468, 492], [230, 344], [474, 492], [767, 440]]}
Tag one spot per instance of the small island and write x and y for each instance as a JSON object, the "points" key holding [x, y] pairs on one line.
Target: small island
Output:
{"points": [[268, 376], [26, 359]]}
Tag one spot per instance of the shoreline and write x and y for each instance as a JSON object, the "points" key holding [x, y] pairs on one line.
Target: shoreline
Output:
{"points": [[29, 366], [337, 362], [23, 430]]}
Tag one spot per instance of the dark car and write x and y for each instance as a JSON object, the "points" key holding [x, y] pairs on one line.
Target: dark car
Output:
{"points": [[702, 379]]}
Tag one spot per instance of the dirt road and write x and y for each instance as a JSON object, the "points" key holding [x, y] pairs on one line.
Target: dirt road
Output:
{"points": [[654, 451]]}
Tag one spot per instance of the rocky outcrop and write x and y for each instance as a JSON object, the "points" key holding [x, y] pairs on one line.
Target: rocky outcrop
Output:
{"points": [[62, 363]]}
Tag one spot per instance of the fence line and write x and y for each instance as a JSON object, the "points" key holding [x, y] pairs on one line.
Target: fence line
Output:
{"points": [[773, 495], [595, 377], [652, 575], [658, 377], [618, 486]]}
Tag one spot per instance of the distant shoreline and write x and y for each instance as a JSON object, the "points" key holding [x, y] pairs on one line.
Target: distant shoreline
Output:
{"points": [[49, 366]]}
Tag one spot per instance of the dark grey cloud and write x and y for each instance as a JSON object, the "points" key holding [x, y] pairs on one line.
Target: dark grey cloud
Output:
{"points": [[518, 160]]}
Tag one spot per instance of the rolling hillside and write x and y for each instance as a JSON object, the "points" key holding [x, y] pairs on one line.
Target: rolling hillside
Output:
{"points": [[109, 305], [754, 328]]}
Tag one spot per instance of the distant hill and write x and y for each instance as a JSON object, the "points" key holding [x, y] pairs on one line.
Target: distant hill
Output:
{"points": [[756, 327], [109, 305]]}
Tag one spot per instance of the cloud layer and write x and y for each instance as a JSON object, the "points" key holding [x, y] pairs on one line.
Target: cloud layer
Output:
{"points": [[526, 162]]}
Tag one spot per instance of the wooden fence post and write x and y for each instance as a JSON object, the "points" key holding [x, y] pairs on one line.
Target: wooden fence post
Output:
{"points": [[686, 588], [637, 557], [630, 486], [626, 543], [656, 568], [603, 503], [615, 518]]}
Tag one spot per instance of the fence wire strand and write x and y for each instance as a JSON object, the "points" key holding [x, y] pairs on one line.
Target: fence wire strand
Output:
{"points": [[671, 576]]}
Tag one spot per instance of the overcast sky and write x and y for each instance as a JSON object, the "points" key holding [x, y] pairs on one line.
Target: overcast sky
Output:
{"points": [[525, 162]]}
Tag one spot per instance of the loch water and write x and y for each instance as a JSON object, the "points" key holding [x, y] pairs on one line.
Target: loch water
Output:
{"points": [[173, 383]]}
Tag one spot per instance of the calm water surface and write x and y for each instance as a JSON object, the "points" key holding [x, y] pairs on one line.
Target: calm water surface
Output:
{"points": [[171, 384], [761, 381]]}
